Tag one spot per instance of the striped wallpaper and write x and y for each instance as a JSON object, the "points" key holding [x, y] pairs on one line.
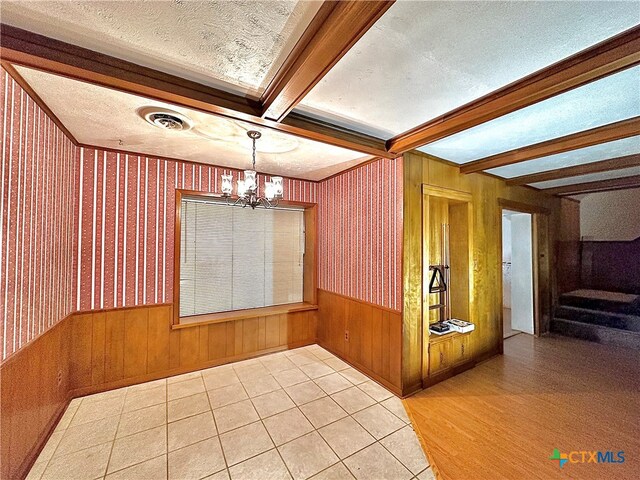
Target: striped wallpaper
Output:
{"points": [[360, 233], [85, 228], [125, 224], [36, 225]]}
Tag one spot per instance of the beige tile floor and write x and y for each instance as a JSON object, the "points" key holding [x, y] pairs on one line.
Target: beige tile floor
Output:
{"points": [[297, 414]]}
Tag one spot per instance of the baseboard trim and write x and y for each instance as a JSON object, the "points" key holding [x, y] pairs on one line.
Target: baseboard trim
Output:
{"points": [[29, 462], [127, 382], [362, 369], [411, 389], [452, 372]]}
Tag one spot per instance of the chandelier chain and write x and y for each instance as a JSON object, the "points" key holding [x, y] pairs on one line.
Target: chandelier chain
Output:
{"points": [[254, 152]]}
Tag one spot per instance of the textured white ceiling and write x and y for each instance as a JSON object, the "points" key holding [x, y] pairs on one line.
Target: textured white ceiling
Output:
{"points": [[108, 118], [591, 177], [423, 59], [582, 156], [608, 100], [236, 45]]}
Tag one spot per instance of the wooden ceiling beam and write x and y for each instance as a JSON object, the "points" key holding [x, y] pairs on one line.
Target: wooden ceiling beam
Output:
{"points": [[608, 57], [587, 138], [28, 49], [599, 186], [336, 27], [594, 167]]}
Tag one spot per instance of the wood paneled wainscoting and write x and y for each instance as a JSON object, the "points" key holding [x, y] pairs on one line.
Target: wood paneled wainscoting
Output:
{"points": [[125, 346], [367, 336], [90, 352], [34, 387]]}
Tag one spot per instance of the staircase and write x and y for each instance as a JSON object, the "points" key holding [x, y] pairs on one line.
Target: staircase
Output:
{"points": [[610, 318]]}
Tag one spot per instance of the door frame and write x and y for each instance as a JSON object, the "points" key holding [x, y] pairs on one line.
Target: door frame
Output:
{"points": [[539, 215]]}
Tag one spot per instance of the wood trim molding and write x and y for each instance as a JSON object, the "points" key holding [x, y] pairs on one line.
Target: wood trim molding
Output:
{"points": [[31, 50], [448, 193], [13, 73], [522, 207], [595, 136], [336, 27], [608, 57], [598, 186], [177, 228], [367, 371], [234, 315], [594, 167], [362, 302]]}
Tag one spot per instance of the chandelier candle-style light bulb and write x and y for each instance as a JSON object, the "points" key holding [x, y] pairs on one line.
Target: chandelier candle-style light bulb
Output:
{"points": [[250, 182], [242, 189], [269, 191], [277, 186], [227, 185], [247, 187]]}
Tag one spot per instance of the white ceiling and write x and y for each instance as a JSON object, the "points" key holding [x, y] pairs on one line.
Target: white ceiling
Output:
{"points": [[423, 59], [591, 177], [237, 46], [108, 118], [611, 99], [582, 156]]}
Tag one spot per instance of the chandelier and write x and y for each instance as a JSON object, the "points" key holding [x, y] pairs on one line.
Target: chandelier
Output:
{"points": [[247, 188]]}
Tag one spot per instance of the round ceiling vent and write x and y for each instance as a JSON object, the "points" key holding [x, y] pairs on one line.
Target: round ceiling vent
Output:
{"points": [[165, 119]]}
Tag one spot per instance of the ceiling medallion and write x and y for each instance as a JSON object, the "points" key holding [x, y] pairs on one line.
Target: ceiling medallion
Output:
{"points": [[247, 188]]}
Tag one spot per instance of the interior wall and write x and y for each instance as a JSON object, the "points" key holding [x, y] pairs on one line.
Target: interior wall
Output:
{"points": [[359, 262], [568, 246], [360, 233], [610, 216], [37, 281], [36, 227], [487, 192]]}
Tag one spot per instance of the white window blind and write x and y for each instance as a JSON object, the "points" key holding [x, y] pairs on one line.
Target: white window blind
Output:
{"points": [[235, 258]]}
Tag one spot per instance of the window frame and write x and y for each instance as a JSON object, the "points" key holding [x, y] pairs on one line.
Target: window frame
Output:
{"points": [[310, 269]]}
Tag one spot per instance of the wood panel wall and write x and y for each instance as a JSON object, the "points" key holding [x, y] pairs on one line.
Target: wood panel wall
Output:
{"points": [[122, 347], [487, 193], [568, 246], [34, 389], [374, 343], [611, 266]]}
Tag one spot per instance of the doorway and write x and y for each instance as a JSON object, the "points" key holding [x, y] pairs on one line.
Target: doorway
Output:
{"points": [[517, 273]]}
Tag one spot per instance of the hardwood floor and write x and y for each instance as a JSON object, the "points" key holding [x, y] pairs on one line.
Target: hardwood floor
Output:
{"points": [[504, 418]]}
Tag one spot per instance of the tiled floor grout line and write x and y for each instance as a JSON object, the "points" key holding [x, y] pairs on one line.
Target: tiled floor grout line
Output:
{"points": [[113, 443], [215, 424], [62, 432], [166, 430], [136, 464], [275, 447]]}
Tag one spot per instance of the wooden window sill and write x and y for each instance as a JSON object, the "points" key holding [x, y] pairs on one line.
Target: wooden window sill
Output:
{"points": [[210, 318]]}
